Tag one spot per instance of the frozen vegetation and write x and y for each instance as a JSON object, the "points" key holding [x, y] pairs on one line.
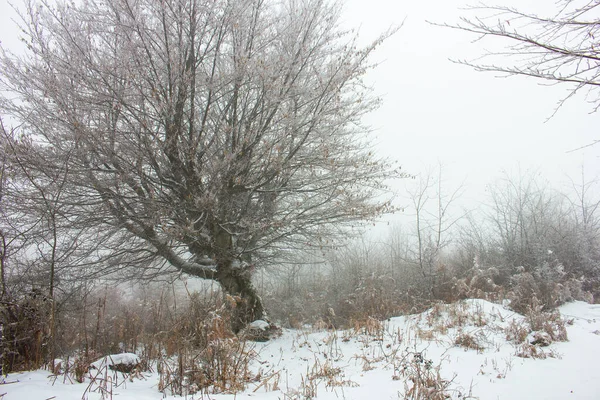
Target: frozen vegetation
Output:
{"points": [[159, 142], [470, 349]]}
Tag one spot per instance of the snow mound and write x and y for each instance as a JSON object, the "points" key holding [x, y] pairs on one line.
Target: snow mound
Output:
{"points": [[123, 362], [259, 324], [469, 349]]}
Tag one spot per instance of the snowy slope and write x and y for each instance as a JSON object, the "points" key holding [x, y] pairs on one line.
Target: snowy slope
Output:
{"points": [[469, 344]]}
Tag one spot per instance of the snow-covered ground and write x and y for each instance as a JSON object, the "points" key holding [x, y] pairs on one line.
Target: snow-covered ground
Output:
{"points": [[468, 349]]}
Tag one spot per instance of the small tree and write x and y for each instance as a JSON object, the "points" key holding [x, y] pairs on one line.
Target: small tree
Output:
{"points": [[433, 223], [205, 137], [37, 243], [585, 246], [560, 48], [5, 238]]}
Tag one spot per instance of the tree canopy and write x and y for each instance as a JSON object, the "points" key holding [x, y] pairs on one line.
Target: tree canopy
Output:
{"points": [[203, 136]]}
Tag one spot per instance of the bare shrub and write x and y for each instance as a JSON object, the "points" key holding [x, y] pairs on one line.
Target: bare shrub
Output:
{"points": [[517, 331], [550, 322], [339, 295], [579, 289], [25, 331], [368, 326], [198, 352], [220, 367], [524, 292], [186, 335], [542, 286]]}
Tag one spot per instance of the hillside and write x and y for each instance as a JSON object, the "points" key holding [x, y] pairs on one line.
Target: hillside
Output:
{"points": [[472, 349]]}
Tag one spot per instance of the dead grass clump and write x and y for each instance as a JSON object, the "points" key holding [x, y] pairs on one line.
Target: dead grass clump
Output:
{"points": [[461, 314], [319, 373], [201, 353], [224, 366], [221, 367], [550, 322], [329, 373], [468, 341], [441, 318], [367, 326], [477, 283], [539, 329], [517, 331], [426, 334], [422, 379], [528, 350], [435, 313]]}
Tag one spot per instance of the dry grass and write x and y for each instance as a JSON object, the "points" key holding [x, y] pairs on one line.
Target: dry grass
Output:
{"points": [[368, 326], [186, 337], [270, 382], [550, 322], [468, 341], [422, 378], [221, 367], [528, 350], [320, 372], [517, 331], [539, 329]]}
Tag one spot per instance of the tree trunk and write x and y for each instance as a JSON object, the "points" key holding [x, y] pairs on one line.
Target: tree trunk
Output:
{"points": [[248, 305]]}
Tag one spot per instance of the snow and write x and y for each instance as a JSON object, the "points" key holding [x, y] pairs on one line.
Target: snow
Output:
{"points": [[116, 359], [259, 324], [377, 362]]}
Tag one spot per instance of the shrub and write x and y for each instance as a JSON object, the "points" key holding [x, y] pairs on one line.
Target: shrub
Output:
{"points": [[25, 331]]}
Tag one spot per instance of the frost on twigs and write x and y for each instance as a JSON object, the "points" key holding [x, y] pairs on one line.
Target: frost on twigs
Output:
{"points": [[209, 138]]}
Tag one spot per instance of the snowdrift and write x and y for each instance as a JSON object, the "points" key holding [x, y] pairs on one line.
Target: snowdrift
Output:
{"points": [[470, 349]]}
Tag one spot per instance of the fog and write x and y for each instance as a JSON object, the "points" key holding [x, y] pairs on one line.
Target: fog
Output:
{"points": [[478, 126]]}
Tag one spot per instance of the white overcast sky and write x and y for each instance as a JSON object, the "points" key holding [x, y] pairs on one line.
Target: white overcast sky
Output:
{"points": [[475, 124]]}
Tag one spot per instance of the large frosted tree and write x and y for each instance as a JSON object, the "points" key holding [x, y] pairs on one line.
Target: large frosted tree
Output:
{"points": [[209, 137]]}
